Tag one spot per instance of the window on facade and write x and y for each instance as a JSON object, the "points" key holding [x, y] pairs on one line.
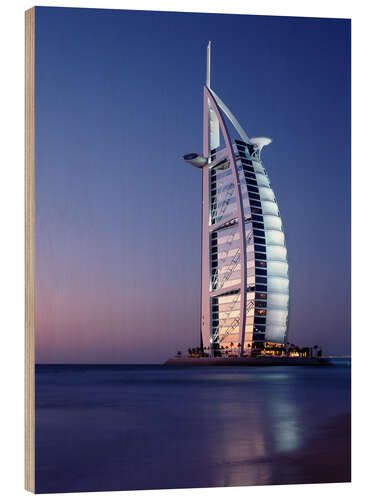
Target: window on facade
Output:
{"points": [[259, 321], [260, 241], [249, 175], [260, 263], [258, 248], [259, 329], [261, 272], [261, 256], [260, 312], [255, 203], [254, 196], [258, 225], [258, 232], [261, 288], [260, 303], [248, 170], [260, 295], [260, 280], [255, 210]]}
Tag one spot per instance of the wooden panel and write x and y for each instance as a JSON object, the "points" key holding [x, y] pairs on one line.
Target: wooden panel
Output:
{"points": [[29, 250]]}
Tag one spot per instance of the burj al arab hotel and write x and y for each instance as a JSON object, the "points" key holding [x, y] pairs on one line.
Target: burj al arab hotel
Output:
{"points": [[245, 280]]}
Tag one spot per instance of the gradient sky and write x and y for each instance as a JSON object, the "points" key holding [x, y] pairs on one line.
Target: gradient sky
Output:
{"points": [[118, 101]]}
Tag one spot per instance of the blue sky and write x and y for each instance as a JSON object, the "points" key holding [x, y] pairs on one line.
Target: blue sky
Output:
{"points": [[118, 102]]}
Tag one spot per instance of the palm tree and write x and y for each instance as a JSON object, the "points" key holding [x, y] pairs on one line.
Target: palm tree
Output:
{"points": [[286, 349]]}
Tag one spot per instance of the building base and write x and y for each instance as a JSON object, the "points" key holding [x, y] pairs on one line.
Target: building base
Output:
{"points": [[247, 361]]}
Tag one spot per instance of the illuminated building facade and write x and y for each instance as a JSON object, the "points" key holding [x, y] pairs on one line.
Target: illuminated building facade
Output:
{"points": [[245, 281]]}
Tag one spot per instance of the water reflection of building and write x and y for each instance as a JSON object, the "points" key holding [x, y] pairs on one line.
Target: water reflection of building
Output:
{"points": [[268, 426], [245, 282]]}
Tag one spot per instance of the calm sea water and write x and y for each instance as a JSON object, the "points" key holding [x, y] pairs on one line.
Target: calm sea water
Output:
{"points": [[147, 426]]}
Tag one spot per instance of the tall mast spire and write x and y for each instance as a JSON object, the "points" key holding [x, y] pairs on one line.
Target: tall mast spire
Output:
{"points": [[208, 65]]}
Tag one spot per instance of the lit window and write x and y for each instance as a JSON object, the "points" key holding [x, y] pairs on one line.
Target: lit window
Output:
{"points": [[260, 312]]}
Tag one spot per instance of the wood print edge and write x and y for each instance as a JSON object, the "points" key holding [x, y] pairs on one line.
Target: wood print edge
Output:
{"points": [[29, 250]]}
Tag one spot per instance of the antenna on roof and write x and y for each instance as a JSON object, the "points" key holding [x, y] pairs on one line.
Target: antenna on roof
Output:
{"points": [[208, 65]]}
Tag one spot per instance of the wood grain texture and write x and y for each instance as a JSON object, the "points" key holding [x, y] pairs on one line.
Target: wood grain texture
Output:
{"points": [[29, 250]]}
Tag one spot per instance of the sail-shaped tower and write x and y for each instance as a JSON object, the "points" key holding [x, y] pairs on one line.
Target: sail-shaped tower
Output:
{"points": [[245, 280]]}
